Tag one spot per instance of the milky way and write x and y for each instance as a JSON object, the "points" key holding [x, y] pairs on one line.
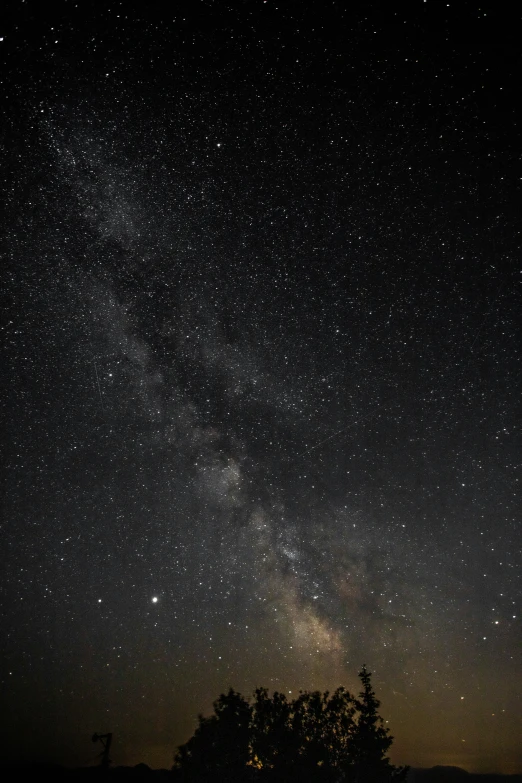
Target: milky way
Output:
{"points": [[261, 377]]}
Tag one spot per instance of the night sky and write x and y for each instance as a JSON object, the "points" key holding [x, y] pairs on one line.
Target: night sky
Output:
{"points": [[261, 372]]}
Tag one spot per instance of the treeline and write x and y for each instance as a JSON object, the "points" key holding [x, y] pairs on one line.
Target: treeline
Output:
{"points": [[323, 737]]}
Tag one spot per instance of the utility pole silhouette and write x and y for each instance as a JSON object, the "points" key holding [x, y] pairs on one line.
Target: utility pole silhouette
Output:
{"points": [[105, 740]]}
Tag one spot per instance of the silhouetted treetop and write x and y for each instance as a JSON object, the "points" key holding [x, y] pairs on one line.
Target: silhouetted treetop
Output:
{"points": [[314, 737]]}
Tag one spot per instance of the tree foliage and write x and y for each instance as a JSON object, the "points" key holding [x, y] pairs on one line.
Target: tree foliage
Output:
{"points": [[314, 737], [221, 743], [371, 740]]}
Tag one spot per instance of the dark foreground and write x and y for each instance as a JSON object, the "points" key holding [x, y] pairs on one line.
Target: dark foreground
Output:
{"points": [[141, 772]]}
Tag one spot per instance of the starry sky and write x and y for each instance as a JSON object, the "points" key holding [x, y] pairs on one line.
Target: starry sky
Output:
{"points": [[261, 373]]}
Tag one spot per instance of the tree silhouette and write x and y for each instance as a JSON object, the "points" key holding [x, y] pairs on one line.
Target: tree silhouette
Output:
{"points": [[371, 740], [220, 747], [315, 738], [273, 743], [306, 738]]}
